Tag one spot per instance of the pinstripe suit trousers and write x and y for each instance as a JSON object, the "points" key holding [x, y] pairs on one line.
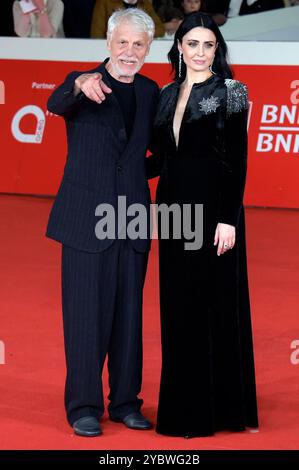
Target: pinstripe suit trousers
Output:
{"points": [[102, 315]]}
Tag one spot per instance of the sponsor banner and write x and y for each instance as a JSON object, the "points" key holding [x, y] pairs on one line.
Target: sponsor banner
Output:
{"points": [[33, 141]]}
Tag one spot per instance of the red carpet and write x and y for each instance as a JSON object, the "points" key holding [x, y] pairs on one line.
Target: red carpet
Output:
{"points": [[32, 379]]}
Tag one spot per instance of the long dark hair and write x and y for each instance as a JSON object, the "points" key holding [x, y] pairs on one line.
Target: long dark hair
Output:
{"points": [[220, 64]]}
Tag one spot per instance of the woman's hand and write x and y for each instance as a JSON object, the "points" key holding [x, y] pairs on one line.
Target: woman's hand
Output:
{"points": [[225, 237]]}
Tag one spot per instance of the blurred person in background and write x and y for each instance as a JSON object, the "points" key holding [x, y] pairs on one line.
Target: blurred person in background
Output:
{"points": [[192, 6], [171, 18], [45, 22], [104, 8], [77, 18], [247, 7]]}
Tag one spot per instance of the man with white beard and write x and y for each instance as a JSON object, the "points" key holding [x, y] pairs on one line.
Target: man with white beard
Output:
{"points": [[108, 125]]}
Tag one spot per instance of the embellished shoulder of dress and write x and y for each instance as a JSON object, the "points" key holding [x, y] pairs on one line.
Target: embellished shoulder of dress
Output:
{"points": [[237, 96]]}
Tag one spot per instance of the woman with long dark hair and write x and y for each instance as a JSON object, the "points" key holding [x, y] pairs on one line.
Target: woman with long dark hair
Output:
{"points": [[200, 152]]}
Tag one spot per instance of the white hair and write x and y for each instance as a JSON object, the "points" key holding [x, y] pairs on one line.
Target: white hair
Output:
{"points": [[137, 17]]}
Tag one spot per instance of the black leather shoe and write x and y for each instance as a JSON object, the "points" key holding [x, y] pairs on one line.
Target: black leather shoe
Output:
{"points": [[135, 421], [88, 426]]}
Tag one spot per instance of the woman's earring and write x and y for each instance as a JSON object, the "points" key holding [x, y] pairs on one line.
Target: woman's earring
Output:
{"points": [[211, 70], [180, 64]]}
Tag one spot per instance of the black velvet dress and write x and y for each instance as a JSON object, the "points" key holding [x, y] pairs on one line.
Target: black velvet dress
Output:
{"points": [[208, 378]]}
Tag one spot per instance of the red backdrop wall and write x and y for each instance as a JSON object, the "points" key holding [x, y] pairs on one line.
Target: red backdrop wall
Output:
{"points": [[33, 143]]}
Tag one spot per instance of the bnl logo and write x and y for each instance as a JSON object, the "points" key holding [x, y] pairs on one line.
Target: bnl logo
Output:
{"points": [[2, 92]]}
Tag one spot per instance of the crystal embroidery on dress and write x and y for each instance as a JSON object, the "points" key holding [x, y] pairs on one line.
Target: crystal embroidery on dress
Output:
{"points": [[209, 105], [237, 96]]}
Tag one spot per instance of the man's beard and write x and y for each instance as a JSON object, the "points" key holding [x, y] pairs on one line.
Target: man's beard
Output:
{"points": [[121, 73]]}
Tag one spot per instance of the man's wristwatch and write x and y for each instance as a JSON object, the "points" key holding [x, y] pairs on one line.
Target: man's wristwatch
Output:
{"points": [[43, 11]]}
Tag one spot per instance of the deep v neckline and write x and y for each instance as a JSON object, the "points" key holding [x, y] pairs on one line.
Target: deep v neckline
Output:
{"points": [[177, 141], [196, 84]]}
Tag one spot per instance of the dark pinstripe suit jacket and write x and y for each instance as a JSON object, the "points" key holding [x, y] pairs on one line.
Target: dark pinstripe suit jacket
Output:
{"points": [[102, 162]]}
